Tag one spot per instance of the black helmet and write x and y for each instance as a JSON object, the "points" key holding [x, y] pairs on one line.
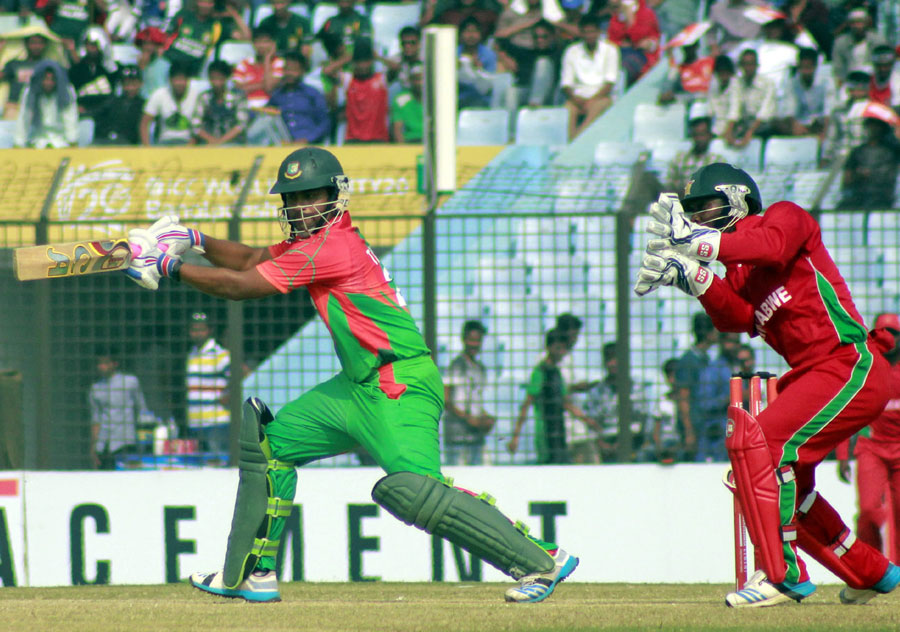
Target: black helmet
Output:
{"points": [[307, 168], [732, 185]]}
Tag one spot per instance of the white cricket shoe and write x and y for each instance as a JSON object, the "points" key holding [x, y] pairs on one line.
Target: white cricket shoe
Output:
{"points": [[857, 597], [538, 586], [759, 592], [260, 586]]}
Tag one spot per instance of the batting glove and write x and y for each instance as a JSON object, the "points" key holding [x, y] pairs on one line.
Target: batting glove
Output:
{"points": [[679, 233], [669, 267], [148, 262], [175, 239]]}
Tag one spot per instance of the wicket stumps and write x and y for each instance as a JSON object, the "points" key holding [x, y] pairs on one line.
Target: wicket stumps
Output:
{"points": [[755, 404]]}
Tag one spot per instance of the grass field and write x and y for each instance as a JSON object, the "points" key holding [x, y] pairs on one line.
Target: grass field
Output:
{"points": [[427, 607]]}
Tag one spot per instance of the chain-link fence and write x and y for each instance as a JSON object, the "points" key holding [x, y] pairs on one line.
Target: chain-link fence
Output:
{"points": [[514, 250]]}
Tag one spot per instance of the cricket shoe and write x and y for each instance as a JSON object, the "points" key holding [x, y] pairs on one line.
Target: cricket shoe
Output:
{"points": [[260, 586], [759, 592], [538, 586], [857, 597]]}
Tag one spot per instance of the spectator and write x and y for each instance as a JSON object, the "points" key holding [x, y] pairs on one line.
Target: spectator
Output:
{"points": [[710, 399], [534, 68], [258, 76], [301, 109], [69, 19], [602, 406], [808, 99], [751, 106], [290, 30], [846, 131], [171, 108], [635, 30], [814, 17], [457, 11], [581, 439], [687, 378], [546, 390], [367, 98], [776, 51], [731, 27], [719, 94], [667, 445], [590, 69], [746, 366], [854, 48], [118, 121], [399, 66], [117, 409], [349, 24], [407, 117], [208, 370], [20, 55], [686, 162], [48, 116], [480, 85], [885, 87], [687, 79], [870, 173], [95, 76], [221, 115], [516, 23], [196, 30], [153, 66], [465, 421], [567, 27]]}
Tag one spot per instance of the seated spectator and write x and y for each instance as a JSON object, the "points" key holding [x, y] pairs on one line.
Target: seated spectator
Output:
{"points": [[334, 77], [635, 30], [257, 76], [807, 100], [846, 129], [48, 115], [718, 96], [885, 87], [300, 108], [534, 69], [153, 66], [69, 19], [398, 67], [776, 51], [854, 47], [221, 114], [367, 98], [590, 69], [687, 79], [480, 85], [406, 110], [751, 106], [118, 121], [348, 23], [20, 55], [870, 173], [290, 30], [95, 76], [685, 163], [455, 11], [730, 24], [517, 27], [171, 108], [196, 29]]}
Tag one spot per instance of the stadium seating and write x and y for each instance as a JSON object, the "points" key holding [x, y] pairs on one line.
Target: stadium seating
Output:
{"points": [[542, 126], [791, 152], [482, 127], [387, 21], [747, 157], [618, 154], [662, 151], [653, 122], [804, 187], [235, 52]]}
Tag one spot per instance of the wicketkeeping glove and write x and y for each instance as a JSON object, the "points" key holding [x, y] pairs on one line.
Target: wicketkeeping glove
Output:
{"points": [[679, 233], [175, 239], [148, 262], [669, 267]]}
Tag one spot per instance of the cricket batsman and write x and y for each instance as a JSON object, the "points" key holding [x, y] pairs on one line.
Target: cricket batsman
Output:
{"points": [[387, 398], [780, 284]]}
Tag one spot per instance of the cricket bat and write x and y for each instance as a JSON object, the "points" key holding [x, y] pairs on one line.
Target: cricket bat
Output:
{"points": [[77, 258]]}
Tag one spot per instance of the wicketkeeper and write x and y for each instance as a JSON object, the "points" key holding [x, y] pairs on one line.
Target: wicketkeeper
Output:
{"points": [[782, 285], [387, 398]]}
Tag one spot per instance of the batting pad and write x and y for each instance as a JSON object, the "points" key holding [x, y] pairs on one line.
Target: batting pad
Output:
{"points": [[255, 507], [465, 520]]}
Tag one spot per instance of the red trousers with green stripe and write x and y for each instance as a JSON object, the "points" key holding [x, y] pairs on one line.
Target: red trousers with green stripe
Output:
{"points": [[818, 407]]}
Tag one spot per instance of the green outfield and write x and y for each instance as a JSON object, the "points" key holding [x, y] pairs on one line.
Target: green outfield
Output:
{"points": [[427, 608]]}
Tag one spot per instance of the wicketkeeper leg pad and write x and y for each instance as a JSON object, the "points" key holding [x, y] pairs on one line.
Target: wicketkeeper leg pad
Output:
{"points": [[472, 522], [255, 507], [757, 489]]}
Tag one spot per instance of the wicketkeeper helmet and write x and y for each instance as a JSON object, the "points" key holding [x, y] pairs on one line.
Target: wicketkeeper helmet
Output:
{"points": [[732, 185]]}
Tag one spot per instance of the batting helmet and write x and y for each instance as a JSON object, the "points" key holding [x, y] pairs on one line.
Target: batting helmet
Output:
{"points": [[733, 186], [305, 169]]}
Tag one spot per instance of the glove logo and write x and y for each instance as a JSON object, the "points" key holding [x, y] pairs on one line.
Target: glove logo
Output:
{"points": [[292, 170], [702, 275], [704, 249]]}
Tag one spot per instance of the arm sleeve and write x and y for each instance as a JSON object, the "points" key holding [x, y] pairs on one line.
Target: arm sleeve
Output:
{"points": [[729, 312], [772, 240], [299, 264]]}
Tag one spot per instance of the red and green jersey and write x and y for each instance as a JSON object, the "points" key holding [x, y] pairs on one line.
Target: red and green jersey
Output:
{"points": [[782, 284], [355, 295]]}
